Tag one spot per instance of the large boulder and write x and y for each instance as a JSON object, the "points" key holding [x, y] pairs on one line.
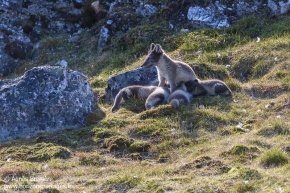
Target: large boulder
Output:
{"points": [[139, 76], [46, 98]]}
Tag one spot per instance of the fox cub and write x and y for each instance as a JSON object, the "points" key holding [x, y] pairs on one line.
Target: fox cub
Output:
{"points": [[180, 97], [172, 71], [208, 87], [153, 95]]}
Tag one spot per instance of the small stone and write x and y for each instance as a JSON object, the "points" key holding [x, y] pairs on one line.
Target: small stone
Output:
{"points": [[146, 10], [109, 22], [201, 106], [45, 166], [62, 63], [240, 125], [103, 38], [184, 30], [258, 39]]}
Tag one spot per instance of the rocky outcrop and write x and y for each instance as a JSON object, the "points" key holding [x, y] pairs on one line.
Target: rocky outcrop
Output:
{"points": [[213, 15], [279, 7], [220, 14], [22, 23], [124, 15], [46, 98], [139, 76]]}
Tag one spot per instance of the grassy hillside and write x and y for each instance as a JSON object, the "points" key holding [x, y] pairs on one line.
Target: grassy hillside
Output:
{"points": [[214, 145]]}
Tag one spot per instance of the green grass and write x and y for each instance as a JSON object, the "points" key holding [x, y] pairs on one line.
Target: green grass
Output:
{"points": [[274, 158], [37, 152], [214, 144], [274, 127]]}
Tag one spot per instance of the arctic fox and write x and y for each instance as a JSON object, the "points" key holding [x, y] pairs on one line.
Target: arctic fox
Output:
{"points": [[180, 97], [208, 87], [153, 95], [168, 69]]}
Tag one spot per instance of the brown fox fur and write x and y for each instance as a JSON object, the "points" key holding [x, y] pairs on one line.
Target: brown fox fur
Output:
{"points": [[152, 94], [180, 97], [210, 87], [168, 69]]}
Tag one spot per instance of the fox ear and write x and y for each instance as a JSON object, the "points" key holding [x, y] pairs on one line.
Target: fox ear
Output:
{"points": [[158, 49], [152, 45]]}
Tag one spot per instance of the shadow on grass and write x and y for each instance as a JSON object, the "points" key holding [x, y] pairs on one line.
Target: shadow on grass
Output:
{"points": [[81, 139]]}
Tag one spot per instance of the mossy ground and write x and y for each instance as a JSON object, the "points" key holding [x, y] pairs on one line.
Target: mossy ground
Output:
{"points": [[216, 144]]}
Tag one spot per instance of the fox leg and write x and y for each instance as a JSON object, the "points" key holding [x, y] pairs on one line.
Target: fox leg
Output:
{"points": [[161, 81], [172, 86]]}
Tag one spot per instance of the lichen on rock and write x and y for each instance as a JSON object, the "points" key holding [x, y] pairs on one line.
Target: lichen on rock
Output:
{"points": [[46, 98]]}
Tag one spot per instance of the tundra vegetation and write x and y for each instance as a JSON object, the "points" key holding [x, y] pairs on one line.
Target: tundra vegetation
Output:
{"points": [[215, 144]]}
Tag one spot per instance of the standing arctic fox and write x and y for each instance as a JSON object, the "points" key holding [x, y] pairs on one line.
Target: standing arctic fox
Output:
{"points": [[208, 87], [152, 94], [180, 97], [168, 69]]}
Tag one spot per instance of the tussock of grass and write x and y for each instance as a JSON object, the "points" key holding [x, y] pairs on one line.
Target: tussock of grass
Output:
{"points": [[38, 152], [113, 122], [242, 150], [243, 187], [13, 170], [273, 158], [274, 127], [102, 133], [210, 71], [161, 111], [208, 119], [245, 173], [151, 128], [124, 183], [139, 146], [91, 160], [118, 143], [49, 190]]}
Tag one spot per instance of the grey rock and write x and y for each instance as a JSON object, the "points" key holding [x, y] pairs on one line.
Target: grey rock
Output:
{"points": [[246, 7], [46, 98], [212, 16], [103, 38], [146, 10], [23, 22], [284, 7], [273, 6], [139, 76], [279, 7]]}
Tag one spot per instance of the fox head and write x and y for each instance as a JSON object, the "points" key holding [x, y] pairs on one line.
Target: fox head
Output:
{"points": [[154, 54]]}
